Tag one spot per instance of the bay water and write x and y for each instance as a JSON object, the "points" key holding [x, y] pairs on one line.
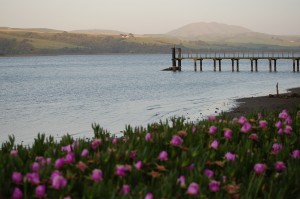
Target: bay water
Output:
{"points": [[56, 95]]}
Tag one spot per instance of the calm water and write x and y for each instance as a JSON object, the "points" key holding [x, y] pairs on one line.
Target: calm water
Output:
{"points": [[66, 94]]}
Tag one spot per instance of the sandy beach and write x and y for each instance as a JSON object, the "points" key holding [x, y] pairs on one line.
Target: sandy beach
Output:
{"points": [[272, 102]]}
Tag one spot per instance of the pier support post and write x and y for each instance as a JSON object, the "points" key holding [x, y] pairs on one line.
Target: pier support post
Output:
{"points": [[179, 59], [294, 65], [214, 65], [237, 65], [195, 65], [220, 65], [232, 64], [297, 65], [173, 59], [275, 68], [270, 65], [200, 65], [251, 65], [256, 68]]}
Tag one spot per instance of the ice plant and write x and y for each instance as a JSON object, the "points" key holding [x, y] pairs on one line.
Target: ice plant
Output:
{"points": [[242, 120], [214, 144], [67, 148], [280, 166], [138, 165], [97, 175], [263, 124], [276, 147], [296, 154], [16, 177], [59, 163], [149, 195], [125, 189], [84, 153], [253, 136], [163, 156], [259, 168], [194, 129], [17, 193], [214, 186], [228, 134], [176, 140], [211, 118], [212, 130], [148, 137], [95, 143], [181, 181], [120, 170], [69, 158], [14, 153], [246, 127], [209, 173], [58, 182], [193, 189], [40, 191], [33, 178], [230, 156], [81, 166], [288, 130], [278, 124]]}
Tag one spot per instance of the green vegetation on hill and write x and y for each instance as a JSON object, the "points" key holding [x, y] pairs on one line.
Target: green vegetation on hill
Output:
{"points": [[53, 42]]}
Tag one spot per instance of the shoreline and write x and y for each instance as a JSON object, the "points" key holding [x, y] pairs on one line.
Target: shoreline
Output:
{"points": [[245, 106]]}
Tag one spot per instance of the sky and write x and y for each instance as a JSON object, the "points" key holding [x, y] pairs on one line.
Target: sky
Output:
{"points": [[278, 17]]}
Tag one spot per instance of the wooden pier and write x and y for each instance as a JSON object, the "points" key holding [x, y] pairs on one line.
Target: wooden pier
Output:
{"points": [[178, 57]]}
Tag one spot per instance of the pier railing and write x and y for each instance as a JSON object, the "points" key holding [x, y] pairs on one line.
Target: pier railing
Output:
{"points": [[178, 56]]}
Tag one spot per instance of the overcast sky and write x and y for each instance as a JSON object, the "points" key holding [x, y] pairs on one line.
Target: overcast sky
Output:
{"points": [[151, 16]]}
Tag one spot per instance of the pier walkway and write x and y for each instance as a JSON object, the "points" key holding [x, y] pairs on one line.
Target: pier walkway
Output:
{"points": [[178, 57]]}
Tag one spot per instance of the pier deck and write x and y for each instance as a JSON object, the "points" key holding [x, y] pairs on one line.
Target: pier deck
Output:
{"points": [[235, 57]]}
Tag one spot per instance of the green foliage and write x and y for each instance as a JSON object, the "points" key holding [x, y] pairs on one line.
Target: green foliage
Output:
{"points": [[190, 158]]}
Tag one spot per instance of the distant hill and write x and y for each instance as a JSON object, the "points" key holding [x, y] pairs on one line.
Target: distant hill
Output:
{"points": [[194, 30], [98, 32], [40, 30]]}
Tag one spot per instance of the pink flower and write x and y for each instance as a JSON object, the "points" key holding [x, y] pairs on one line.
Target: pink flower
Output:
{"points": [[259, 116], [253, 136], [283, 114], [59, 182], [296, 154], [16, 177], [193, 189], [148, 137], [242, 120], [211, 118], [114, 141], [40, 191], [132, 154], [35, 167], [176, 140], [120, 170], [263, 124], [81, 166], [280, 131], [228, 134], [17, 193], [212, 130], [33, 178], [288, 130], [138, 165], [97, 175], [214, 186], [214, 144], [276, 147], [209, 173], [194, 129], [95, 143], [149, 195], [278, 124], [280, 166], [84, 153], [48, 161], [163, 156], [125, 189], [14, 153], [246, 127], [59, 163], [40, 159], [67, 148], [259, 168], [230, 156], [181, 180]]}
